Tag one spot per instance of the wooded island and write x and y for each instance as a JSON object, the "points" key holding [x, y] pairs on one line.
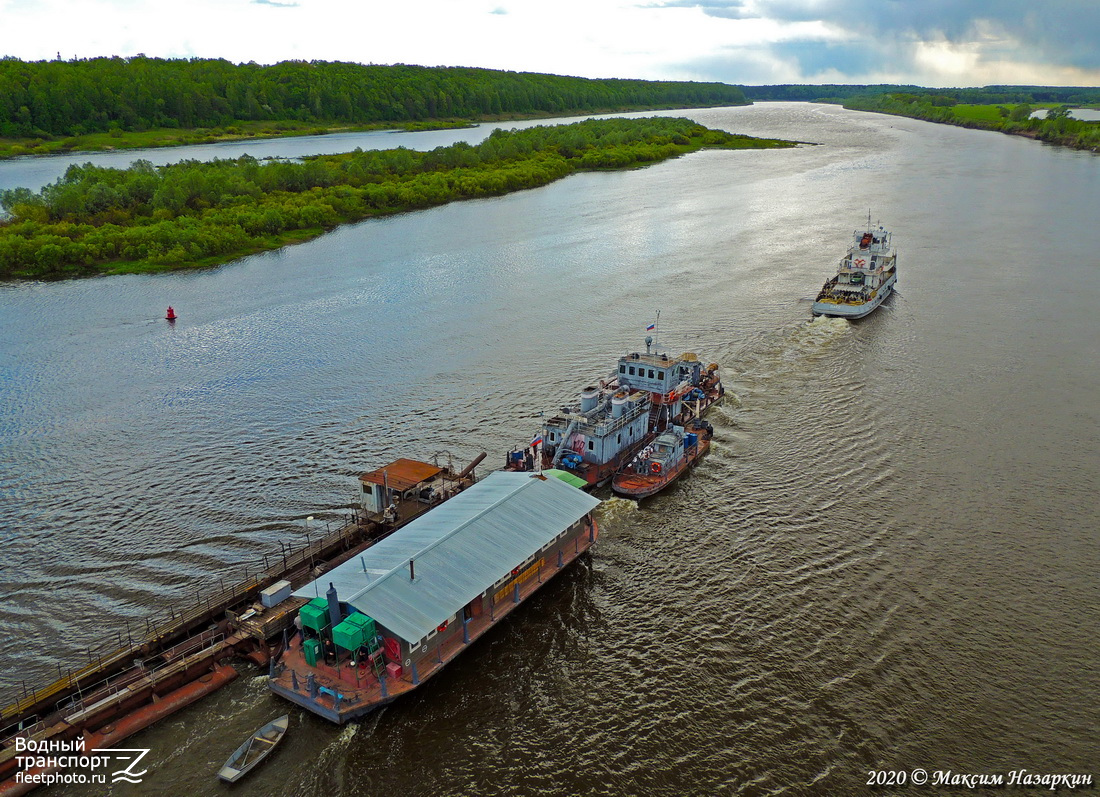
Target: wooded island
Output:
{"points": [[145, 218]]}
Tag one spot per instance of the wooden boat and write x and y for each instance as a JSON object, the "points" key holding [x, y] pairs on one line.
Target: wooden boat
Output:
{"points": [[255, 750]]}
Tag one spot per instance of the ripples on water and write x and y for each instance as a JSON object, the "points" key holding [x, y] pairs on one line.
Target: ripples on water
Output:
{"points": [[886, 561]]}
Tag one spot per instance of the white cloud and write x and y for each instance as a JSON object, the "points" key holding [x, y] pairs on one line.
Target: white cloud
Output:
{"points": [[937, 42]]}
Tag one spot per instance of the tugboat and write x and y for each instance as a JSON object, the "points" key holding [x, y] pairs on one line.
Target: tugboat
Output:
{"points": [[866, 276], [620, 415], [658, 465]]}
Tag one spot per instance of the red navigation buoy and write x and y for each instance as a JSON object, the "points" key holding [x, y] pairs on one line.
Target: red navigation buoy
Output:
{"points": [[171, 316]]}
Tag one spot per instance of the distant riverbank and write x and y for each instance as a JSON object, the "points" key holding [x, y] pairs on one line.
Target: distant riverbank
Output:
{"points": [[98, 220], [262, 130], [125, 103], [1058, 127]]}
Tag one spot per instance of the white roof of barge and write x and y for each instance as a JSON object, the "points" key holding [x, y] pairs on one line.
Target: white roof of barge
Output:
{"points": [[460, 549]]}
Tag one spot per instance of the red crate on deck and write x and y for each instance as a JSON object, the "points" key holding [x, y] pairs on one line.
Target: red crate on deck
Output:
{"points": [[394, 670]]}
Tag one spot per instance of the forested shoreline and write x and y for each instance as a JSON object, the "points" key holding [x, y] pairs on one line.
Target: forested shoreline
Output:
{"points": [[43, 101], [97, 220]]}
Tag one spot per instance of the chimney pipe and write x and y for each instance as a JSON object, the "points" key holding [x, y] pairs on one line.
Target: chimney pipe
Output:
{"points": [[333, 605], [412, 571]]}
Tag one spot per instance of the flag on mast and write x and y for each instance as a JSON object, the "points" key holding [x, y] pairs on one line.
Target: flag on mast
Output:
{"points": [[651, 327]]}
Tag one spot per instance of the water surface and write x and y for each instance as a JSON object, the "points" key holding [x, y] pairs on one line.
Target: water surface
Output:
{"points": [[887, 561]]}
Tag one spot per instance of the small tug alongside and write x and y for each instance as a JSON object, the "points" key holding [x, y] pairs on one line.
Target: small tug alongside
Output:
{"points": [[397, 614], [658, 465], [621, 414], [867, 275]]}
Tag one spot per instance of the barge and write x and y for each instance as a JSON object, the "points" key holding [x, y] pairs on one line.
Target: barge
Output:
{"points": [[382, 623], [172, 661]]}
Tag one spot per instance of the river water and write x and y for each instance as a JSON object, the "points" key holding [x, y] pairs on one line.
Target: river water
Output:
{"points": [[887, 561]]}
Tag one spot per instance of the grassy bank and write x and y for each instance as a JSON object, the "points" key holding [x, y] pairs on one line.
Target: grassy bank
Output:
{"points": [[1012, 118], [96, 220]]}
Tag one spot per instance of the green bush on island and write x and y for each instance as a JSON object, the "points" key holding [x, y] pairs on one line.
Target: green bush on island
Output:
{"points": [[145, 218]]}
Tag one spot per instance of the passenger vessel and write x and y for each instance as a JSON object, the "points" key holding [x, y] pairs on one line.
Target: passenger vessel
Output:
{"points": [[866, 277]]}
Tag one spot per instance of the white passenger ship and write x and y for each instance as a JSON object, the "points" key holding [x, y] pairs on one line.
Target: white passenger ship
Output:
{"points": [[866, 276]]}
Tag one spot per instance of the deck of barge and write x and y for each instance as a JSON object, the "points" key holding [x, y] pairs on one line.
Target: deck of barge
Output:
{"points": [[344, 692]]}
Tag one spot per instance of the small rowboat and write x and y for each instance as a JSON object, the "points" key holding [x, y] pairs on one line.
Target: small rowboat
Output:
{"points": [[255, 750]]}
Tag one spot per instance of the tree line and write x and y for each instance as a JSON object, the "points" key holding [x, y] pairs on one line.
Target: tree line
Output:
{"points": [[96, 219], [72, 98]]}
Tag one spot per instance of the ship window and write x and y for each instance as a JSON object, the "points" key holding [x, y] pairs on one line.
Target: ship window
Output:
{"points": [[661, 375], [591, 445], [551, 437], [620, 438], [366, 489], [632, 370], [622, 369], [650, 373]]}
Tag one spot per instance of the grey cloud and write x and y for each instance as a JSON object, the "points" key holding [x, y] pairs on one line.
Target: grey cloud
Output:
{"points": [[1062, 33], [725, 9], [1057, 31]]}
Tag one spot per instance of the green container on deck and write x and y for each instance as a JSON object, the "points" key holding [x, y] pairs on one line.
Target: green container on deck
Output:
{"points": [[354, 631], [315, 614], [364, 622], [312, 650]]}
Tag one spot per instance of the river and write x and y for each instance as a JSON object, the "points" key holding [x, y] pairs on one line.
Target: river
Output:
{"points": [[887, 561]]}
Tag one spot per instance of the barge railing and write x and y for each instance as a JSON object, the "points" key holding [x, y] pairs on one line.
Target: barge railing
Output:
{"points": [[147, 640]]}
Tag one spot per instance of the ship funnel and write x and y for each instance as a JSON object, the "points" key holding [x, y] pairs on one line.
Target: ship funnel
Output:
{"points": [[333, 605], [590, 396], [648, 343], [618, 405]]}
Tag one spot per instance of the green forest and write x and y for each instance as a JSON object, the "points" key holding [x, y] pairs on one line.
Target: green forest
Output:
{"points": [[44, 99], [103, 220]]}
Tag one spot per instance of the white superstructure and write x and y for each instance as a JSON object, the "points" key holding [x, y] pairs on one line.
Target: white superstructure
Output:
{"points": [[866, 276]]}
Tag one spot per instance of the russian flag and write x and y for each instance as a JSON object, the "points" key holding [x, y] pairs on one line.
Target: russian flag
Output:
{"points": [[536, 440], [651, 327]]}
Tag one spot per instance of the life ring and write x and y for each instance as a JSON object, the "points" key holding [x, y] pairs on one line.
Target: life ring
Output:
{"points": [[861, 262], [670, 397], [655, 468]]}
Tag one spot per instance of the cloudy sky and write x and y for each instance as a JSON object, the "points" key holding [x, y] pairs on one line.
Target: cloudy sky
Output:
{"points": [[927, 42]]}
